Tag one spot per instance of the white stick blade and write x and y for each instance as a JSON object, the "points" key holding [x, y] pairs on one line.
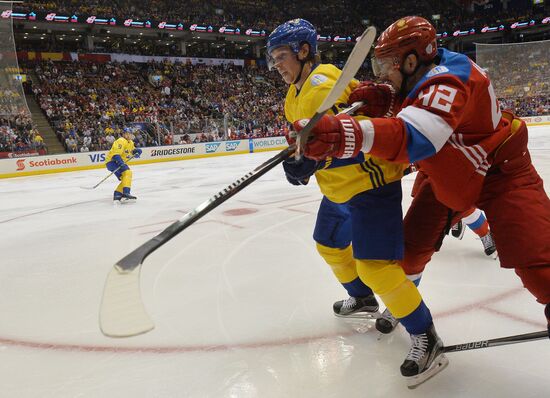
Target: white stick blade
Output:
{"points": [[122, 313], [354, 62]]}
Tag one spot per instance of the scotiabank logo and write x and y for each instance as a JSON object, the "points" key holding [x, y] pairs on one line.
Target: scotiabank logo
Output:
{"points": [[44, 162]]}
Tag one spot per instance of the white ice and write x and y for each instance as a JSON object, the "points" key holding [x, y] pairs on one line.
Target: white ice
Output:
{"points": [[241, 300]]}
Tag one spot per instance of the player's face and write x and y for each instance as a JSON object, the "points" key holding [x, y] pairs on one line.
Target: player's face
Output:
{"points": [[387, 70], [284, 60]]}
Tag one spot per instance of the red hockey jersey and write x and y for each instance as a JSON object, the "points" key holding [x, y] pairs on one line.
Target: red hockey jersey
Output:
{"points": [[449, 125]]}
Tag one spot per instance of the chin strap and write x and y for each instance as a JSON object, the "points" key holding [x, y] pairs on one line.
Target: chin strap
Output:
{"points": [[302, 64]]}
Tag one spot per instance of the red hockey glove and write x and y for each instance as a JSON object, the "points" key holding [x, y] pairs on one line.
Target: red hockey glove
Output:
{"points": [[338, 136], [379, 99]]}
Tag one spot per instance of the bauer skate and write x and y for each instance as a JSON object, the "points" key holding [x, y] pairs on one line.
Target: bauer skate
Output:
{"points": [[126, 197], [458, 229], [489, 245], [386, 323], [425, 358], [357, 307]]}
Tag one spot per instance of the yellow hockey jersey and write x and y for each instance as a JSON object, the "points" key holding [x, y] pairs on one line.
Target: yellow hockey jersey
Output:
{"points": [[338, 179], [122, 147]]}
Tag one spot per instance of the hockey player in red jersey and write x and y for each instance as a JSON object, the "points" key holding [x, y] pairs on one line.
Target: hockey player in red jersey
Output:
{"points": [[473, 155]]}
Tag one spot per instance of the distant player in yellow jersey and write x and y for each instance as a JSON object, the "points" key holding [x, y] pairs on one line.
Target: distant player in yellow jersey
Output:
{"points": [[123, 148], [359, 227]]}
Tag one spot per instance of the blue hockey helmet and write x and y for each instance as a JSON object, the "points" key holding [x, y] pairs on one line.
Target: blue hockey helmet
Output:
{"points": [[292, 34]]}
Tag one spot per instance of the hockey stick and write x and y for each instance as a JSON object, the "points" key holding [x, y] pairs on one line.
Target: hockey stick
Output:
{"points": [[122, 312], [354, 62], [105, 179], [520, 338]]}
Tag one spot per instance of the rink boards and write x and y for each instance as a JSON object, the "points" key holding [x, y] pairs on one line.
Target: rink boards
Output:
{"points": [[25, 166]]}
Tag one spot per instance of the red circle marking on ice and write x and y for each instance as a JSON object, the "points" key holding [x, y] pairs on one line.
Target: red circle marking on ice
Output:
{"points": [[239, 212]]}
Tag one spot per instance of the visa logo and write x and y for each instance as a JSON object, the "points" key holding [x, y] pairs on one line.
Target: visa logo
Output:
{"points": [[231, 145], [97, 157], [212, 147]]}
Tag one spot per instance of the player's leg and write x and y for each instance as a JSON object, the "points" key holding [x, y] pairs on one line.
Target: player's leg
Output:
{"points": [[425, 225], [114, 167], [333, 236], [518, 210], [378, 246], [126, 183]]}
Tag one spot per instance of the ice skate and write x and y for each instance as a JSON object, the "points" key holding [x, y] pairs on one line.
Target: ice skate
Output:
{"points": [[425, 358], [458, 229], [489, 245], [386, 323], [357, 307], [116, 198], [126, 197]]}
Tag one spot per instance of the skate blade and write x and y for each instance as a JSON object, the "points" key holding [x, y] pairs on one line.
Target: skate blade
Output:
{"points": [[360, 315], [124, 201], [437, 366]]}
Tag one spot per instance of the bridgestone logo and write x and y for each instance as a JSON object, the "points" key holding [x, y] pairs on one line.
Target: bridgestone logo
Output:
{"points": [[173, 151], [349, 139]]}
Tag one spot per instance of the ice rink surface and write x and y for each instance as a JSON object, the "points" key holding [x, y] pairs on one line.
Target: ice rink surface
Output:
{"points": [[241, 300]]}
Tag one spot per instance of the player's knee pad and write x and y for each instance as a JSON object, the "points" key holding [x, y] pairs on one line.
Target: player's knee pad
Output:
{"points": [[341, 261], [126, 178], [387, 279]]}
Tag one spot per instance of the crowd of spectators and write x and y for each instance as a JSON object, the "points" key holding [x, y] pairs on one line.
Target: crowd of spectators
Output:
{"points": [[520, 75], [343, 17], [89, 104], [17, 131]]}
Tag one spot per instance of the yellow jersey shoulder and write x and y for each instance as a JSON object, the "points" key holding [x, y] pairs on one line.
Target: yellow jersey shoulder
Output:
{"points": [[304, 103]]}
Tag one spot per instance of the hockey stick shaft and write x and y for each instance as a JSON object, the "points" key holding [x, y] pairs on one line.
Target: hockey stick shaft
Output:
{"points": [[350, 69], [475, 345], [136, 257], [109, 175]]}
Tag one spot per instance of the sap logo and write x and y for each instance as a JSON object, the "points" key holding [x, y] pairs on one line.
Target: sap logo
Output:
{"points": [[97, 157], [231, 145], [20, 164], [212, 147]]}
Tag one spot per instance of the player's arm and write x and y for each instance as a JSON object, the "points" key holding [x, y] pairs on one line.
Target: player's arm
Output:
{"points": [[417, 132]]}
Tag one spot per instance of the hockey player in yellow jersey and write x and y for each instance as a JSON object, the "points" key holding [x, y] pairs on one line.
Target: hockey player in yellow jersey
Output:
{"points": [[359, 227], [117, 161]]}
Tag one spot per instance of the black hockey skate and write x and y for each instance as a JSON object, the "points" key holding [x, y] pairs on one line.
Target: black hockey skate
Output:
{"points": [[126, 197], [116, 197], [458, 229], [425, 358], [357, 307], [386, 323], [489, 245]]}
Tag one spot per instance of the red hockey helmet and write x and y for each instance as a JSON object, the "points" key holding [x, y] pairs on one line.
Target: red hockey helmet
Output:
{"points": [[405, 36]]}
